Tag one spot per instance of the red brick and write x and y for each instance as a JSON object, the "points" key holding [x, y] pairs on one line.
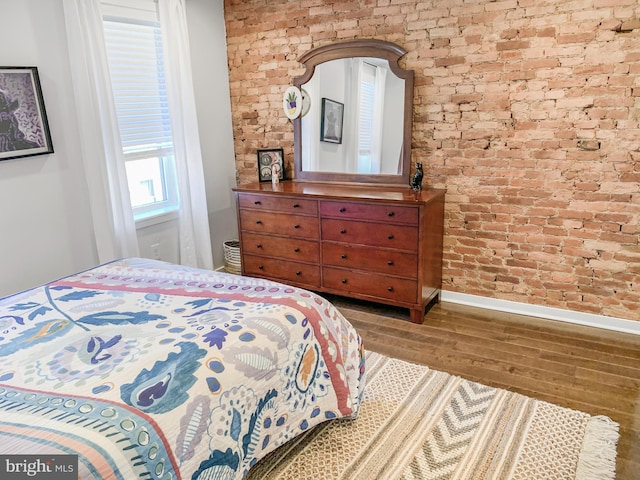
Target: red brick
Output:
{"points": [[512, 45]]}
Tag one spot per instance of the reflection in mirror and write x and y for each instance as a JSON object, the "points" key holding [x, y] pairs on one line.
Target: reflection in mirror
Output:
{"points": [[355, 123], [358, 127]]}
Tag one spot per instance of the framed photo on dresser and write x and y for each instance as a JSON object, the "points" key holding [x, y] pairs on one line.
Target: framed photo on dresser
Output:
{"points": [[267, 160]]}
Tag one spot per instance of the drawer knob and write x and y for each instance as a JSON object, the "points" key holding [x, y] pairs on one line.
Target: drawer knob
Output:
{"points": [[343, 231], [296, 249], [390, 289], [260, 267], [344, 255], [342, 210], [391, 214], [390, 237], [390, 262], [257, 202], [258, 222], [259, 245], [298, 273], [296, 226], [344, 280], [295, 205]]}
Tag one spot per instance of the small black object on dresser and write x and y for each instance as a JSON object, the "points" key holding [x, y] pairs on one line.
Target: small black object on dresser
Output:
{"points": [[416, 180]]}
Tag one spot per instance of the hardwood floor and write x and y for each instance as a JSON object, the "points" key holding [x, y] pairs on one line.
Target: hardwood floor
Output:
{"points": [[589, 369]]}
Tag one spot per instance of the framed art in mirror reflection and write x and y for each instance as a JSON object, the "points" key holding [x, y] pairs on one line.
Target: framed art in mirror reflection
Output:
{"points": [[331, 121]]}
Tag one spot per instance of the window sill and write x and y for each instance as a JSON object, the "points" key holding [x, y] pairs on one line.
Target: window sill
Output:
{"points": [[156, 217]]}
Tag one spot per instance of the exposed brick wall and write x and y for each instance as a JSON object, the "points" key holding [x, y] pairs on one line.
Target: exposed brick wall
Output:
{"points": [[526, 111]]}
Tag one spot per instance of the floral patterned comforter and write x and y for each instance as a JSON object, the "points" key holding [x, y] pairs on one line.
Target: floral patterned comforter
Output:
{"points": [[150, 370]]}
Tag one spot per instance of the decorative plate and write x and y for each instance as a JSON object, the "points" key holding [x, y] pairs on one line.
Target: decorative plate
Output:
{"points": [[306, 102], [292, 102]]}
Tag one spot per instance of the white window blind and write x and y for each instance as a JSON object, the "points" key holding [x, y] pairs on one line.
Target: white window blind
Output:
{"points": [[366, 116], [139, 88]]}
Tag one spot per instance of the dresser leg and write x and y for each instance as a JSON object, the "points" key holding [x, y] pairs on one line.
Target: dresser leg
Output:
{"points": [[417, 315]]}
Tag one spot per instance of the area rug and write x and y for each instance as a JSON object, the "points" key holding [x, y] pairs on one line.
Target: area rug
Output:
{"points": [[417, 423]]}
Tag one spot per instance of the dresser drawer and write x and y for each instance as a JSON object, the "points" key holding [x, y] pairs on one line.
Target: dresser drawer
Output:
{"points": [[299, 206], [382, 286], [402, 237], [364, 211], [371, 259], [280, 224], [287, 248], [285, 271]]}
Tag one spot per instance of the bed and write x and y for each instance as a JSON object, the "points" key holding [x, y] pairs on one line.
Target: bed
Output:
{"points": [[145, 369]]}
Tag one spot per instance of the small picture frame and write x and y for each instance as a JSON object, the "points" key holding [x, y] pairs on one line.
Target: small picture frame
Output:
{"points": [[266, 159], [24, 130], [331, 121]]}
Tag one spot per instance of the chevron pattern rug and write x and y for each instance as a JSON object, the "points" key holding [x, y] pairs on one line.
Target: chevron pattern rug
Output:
{"points": [[417, 423]]}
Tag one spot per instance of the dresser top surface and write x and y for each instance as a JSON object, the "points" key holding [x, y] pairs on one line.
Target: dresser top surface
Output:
{"points": [[343, 191]]}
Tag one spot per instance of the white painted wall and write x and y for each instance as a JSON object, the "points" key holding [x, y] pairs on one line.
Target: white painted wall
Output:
{"points": [[45, 220], [208, 42]]}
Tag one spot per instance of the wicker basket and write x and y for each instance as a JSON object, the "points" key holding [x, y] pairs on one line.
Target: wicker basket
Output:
{"points": [[232, 262]]}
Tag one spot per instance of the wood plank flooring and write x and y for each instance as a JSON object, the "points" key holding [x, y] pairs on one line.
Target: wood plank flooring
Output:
{"points": [[589, 369]]}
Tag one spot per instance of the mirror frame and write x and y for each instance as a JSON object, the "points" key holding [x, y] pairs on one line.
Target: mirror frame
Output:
{"points": [[347, 49]]}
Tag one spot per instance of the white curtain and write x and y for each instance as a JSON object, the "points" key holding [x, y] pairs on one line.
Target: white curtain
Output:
{"points": [[378, 119], [113, 221], [351, 137], [195, 238], [113, 224], [310, 127]]}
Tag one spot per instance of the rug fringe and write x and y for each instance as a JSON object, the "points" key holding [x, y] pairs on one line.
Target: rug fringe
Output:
{"points": [[598, 457]]}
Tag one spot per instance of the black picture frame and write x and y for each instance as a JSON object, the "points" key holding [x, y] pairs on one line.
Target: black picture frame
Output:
{"points": [[331, 121], [24, 129], [266, 158]]}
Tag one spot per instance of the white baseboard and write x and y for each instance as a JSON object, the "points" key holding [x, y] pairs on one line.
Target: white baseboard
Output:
{"points": [[551, 313]]}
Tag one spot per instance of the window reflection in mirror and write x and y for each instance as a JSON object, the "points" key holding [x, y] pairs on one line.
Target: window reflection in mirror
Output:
{"points": [[372, 124]]}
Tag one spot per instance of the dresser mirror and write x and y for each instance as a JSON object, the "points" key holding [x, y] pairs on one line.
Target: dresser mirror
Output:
{"points": [[357, 128]]}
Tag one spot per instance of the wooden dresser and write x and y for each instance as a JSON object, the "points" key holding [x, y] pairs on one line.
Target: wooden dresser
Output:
{"points": [[382, 244]]}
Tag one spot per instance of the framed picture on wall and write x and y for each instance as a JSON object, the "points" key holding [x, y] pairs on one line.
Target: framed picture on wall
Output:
{"points": [[331, 121], [24, 130], [266, 161]]}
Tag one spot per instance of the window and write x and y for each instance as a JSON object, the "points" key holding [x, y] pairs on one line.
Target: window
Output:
{"points": [[136, 65]]}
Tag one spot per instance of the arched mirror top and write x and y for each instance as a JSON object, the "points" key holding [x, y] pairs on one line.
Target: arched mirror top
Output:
{"points": [[333, 84]]}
